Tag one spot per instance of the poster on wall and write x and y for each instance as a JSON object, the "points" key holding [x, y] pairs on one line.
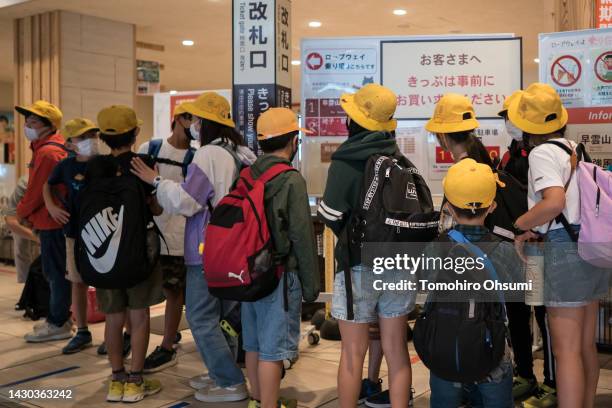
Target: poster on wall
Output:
{"points": [[603, 14], [421, 71], [578, 64], [147, 77]]}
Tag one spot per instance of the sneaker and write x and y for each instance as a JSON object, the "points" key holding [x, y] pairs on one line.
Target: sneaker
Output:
{"points": [[178, 337], [159, 359], [201, 381], [545, 397], [282, 402], [79, 342], [222, 394], [383, 400], [115, 391], [133, 392], [523, 387], [369, 388], [49, 332], [102, 351]]}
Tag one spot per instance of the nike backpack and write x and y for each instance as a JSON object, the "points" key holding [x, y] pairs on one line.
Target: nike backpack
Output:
{"points": [[463, 341], [238, 250], [113, 240], [153, 152]]}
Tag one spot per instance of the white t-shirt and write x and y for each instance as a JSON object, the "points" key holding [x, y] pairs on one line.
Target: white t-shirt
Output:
{"points": [[549, 166], [172, 226]]}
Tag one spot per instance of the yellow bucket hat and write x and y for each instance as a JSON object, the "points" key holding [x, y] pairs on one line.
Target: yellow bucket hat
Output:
{"points": [[277, 122], [538, 111], [453, 113], [117, 120], [372, 107], [470, 185], [43, 109], [508, 101], [211, 106], [180, 109], [76, 127]]}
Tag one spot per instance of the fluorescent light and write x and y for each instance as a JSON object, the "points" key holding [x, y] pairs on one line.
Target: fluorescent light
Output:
{"points": [[188, 43], [173, 91], [399, 12], [296, 62], [314, 24], [536, 60]]}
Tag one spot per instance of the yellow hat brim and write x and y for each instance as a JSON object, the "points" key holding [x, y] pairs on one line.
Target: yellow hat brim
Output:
{"points": [[84, 130], [27, 111], [122, 131], [536, 128], [436, 127], [347, 102], [191, 108], [502, 112], [281, 132]]}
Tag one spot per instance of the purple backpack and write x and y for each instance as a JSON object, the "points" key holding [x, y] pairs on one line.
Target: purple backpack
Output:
{"points": [[595, 239]]}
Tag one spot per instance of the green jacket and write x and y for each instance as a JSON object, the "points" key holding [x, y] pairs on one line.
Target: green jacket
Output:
{"points": [[290, 223], [344, 181]]}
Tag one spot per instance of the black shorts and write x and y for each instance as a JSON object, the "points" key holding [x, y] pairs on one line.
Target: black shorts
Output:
{"points": [[174, 272]]}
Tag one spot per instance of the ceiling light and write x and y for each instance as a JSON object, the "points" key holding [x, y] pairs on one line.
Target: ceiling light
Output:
{"points": [[172, 92], [399, 12], [536, 60], [296, 62], [188, 43], [314, 24]]}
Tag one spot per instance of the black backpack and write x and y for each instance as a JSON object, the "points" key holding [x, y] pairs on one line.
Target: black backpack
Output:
{"points": [[463, 341], [511, 203], [34, 298], [118, 244], [153, 151], [395, 204]]}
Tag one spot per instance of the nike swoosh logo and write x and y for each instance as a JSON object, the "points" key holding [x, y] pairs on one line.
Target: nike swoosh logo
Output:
{"points": [[106, 262]]}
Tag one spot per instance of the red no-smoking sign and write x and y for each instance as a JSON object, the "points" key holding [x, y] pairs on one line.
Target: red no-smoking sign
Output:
{"points": [[314, 61], [603, 67], [566, 70]]}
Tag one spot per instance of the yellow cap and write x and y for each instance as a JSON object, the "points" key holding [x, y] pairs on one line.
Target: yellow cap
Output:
{"points": [[538, 111], [76, 127], [372, 107], [211, 106], [117, 120], [508, 101], [470, 185], [453, 113], [43, 109], [277, 122], [179, 109]]}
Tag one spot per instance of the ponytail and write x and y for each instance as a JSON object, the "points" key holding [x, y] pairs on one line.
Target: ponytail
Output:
{"points": [[473, 147]]}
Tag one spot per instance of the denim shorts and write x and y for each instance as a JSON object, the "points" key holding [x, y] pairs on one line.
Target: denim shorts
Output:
{"points": [[267, 328], [370, 304], [568, 280]]}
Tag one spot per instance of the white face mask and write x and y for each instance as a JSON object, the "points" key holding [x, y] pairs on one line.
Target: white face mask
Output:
{"points": [[195, 133], [30, 134], [88, 147], [513, 131]]}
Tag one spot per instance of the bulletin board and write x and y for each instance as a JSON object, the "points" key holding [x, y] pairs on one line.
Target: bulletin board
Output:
{"points": [[419, 69]]}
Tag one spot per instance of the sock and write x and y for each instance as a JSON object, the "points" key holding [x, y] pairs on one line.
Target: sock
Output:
{"points": [[120, 375], [83, 330], [135, 377]]}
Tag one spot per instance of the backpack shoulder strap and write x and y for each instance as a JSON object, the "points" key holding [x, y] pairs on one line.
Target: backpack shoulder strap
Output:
{"points": [[61, 146], [274, 171], [154, 147]]}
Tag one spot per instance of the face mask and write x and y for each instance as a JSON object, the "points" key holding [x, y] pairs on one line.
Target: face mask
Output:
{"points": [[31, 134], [513, 131], [193, 132], [89, 147]]}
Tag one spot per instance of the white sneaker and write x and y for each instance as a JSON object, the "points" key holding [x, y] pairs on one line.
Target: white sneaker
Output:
{"points": [[49, 332], [221, 394], [200, 382]]}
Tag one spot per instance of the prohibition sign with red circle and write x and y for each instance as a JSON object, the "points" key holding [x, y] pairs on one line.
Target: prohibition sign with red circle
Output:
{"points": [[565, 77], [314, 61], [602, 60]]}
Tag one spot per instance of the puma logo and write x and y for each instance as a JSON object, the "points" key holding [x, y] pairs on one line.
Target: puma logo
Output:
{"points": [[239, 277], [96, 233]]}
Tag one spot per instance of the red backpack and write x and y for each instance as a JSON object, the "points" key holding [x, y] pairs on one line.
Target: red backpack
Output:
{"points": [[238, 250]]}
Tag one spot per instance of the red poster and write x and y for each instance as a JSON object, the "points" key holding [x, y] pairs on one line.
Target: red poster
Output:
{"points": [[603, 14]]}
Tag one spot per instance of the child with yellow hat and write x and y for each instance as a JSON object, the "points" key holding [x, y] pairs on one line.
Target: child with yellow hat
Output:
{"points": [[81, 138], [286, 201], [572, 287], [371, 129], [215, 167]]}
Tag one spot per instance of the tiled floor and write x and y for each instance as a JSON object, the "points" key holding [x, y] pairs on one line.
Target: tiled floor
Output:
{"points": [[312, 380]]}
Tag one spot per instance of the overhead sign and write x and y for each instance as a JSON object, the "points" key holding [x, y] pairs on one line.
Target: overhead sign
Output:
{"points": [[486, 70], [261, 61]]}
